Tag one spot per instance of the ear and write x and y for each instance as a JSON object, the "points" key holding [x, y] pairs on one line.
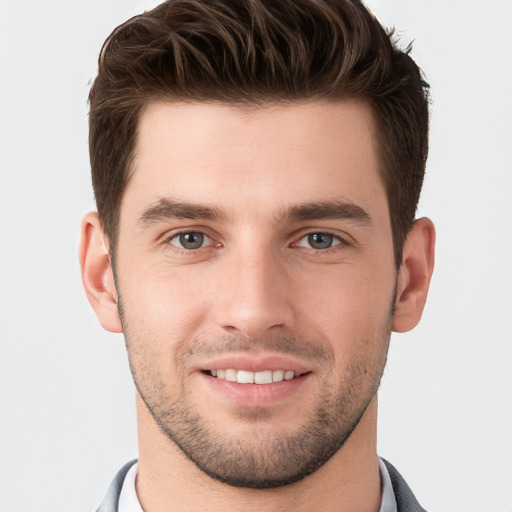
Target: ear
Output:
{"points": [[414, 275], [97, 274]]}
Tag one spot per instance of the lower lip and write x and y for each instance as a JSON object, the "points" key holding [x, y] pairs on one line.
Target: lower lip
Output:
{"points": [[255, 395]]}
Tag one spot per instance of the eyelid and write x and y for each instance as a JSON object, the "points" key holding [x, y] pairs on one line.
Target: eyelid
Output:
{"points": [[176, 236], [343, 237], [166, 238], [338, 240]]}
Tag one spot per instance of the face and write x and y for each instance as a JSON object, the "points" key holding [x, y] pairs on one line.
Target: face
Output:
{"points": [[256, 282]]}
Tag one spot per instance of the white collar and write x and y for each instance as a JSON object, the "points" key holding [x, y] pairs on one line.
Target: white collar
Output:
{"points": [[388, 502], [128, 500]]}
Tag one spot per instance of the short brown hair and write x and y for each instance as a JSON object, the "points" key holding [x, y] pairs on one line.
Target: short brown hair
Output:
{"points": [[256, 52]]}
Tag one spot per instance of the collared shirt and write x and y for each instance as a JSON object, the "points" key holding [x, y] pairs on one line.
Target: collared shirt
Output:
{"points": [[129, 502], [388, 502]]}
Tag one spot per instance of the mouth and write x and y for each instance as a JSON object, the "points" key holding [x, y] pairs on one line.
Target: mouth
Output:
{"points": [[265, 380], [263, 377]]}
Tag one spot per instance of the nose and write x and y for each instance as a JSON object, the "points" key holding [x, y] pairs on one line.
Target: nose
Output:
{"points": [[254, 295]]}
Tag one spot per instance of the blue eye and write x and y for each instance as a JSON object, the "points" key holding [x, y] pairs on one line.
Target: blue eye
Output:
{"points": [[319, 241], [190, 240]]}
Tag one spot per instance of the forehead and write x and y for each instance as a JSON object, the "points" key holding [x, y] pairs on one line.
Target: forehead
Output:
{"points": [[258, 159]]}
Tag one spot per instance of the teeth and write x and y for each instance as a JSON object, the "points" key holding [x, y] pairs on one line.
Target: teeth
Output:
{"points": [[264, 377], [277, 375], [231, 375], [246, 377]]}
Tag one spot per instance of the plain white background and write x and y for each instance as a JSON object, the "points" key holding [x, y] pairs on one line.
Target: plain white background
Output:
{"points": [[67, 420]]}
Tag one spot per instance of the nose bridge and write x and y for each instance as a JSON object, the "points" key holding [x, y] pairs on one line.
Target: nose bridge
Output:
{"points": [[255, 293]]}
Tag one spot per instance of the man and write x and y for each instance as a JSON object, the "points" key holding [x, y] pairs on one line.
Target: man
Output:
{"points": [[257, 166]]}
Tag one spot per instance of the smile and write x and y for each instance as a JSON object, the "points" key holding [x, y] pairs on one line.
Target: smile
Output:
{"points": [[248, 377]]}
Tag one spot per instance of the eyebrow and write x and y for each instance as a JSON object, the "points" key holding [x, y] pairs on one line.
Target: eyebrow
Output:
{"points": [[330, 210], [165, 209]]}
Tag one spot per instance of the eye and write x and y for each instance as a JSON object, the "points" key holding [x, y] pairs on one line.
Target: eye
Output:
{"points": [[319, 241], [190, 240]]}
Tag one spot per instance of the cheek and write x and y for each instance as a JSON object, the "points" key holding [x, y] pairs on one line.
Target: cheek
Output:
{"points": [[162, 308], [158, 321], [349, 295], [350, 310]]}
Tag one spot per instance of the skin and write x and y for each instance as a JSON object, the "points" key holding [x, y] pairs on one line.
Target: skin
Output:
{"points": [[257, 288]]}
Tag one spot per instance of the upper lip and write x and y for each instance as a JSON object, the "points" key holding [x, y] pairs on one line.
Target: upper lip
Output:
{"points": [[255, 364]]}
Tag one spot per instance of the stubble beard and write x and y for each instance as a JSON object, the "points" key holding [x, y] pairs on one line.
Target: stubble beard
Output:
{"points": [[258, 461], [263, 461]]}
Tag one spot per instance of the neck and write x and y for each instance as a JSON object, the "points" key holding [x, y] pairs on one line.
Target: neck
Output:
{"points": [[168, 480]]}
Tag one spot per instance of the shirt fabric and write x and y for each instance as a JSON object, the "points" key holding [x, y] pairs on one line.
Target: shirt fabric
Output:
{"points": [[129, 502]]}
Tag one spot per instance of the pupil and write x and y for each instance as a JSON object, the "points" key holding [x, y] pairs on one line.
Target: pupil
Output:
{"points": [[320, 240], [191, 240]]}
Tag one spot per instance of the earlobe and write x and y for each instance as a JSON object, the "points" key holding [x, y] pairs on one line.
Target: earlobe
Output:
{"points": [[414, 275], [97, 274]]}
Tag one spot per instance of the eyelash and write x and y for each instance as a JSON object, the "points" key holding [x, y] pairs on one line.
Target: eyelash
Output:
{"points": [[341, 244], [183, 250]]}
